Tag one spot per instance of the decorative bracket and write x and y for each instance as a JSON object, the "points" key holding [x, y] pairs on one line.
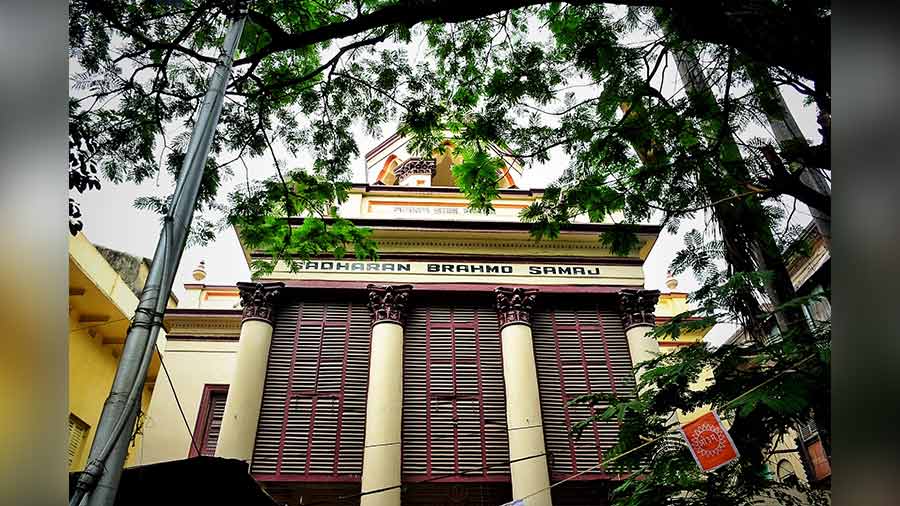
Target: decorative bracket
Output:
{"points": [[389, 303], [258, 301], [637, 307], [427, 166], [515, 305]]}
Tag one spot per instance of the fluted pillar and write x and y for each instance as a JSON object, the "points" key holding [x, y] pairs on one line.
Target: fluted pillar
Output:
{"points": [[636, 307], [238, 432], [384, 403], [530, 474]]}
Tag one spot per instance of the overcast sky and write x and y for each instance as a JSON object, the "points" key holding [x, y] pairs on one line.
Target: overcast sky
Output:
{"points": [[111, 220]]}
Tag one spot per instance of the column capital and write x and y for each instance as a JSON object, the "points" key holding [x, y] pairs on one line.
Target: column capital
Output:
{"points": [[637, 307], [258, 300], [389, 303], [515, 305]]}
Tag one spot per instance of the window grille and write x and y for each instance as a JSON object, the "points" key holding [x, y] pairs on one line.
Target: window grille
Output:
{"points": [[808, 430]]}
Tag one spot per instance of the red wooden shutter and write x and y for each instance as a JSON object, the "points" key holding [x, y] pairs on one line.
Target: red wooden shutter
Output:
{"points": [[579, 349], [209, 420], [454, 417], [217, 412], [820, 466], [312, 419]]}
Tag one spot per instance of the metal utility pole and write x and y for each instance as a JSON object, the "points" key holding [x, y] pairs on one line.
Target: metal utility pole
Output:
{"points": [[99, 482]]}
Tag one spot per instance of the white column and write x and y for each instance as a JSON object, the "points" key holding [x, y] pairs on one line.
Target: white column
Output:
{"points": [[238, 433], [530, 475], [637, 307], [384, 404]]}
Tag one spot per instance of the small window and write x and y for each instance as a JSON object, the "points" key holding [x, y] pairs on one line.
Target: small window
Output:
{"points": [[808, 430], [78, 431], [209, 420]]}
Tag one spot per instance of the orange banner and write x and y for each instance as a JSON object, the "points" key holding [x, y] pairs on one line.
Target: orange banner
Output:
{"points": [[709, 442]]}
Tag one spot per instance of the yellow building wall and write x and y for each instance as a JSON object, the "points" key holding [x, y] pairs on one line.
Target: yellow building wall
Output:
{"points": [[786, 445], [92, 367], [100, 305], [669, 305], [191, 364], [200, 296]]}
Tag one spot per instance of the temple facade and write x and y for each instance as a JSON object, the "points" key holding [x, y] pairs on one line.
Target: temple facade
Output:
{"points": [[438, 374]]}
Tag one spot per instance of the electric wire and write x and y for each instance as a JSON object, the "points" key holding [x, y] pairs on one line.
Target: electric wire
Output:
{"points": [[434, 478], [408, 486], [657, 438], [177, 402], [97, 465], [94, 471], [87, 327], [667, 433]]}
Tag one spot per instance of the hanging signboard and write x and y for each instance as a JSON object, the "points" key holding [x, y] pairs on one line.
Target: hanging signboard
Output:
{"points": [[709, 441]]}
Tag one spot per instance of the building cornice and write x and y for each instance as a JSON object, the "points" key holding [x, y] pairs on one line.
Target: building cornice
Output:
{"points": [[398, 236], [490, 257], [382, 190], [467, 287], [383, 144], [203, 322], [488, 226]]}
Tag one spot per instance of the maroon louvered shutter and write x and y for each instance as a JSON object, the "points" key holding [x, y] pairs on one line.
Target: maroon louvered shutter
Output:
{"points": [[209, 420], [579, 349], [217, 412], [312, 419], [454, 417]]}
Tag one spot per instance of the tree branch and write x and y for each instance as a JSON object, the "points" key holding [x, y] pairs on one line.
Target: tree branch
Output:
{"points": [[408, 13], [330, 63]]}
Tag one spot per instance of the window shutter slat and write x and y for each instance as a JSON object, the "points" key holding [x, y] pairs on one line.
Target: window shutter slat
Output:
{"points": [[77, 434], [454, 416], [312, 418], [579, 349], [215, 414]]}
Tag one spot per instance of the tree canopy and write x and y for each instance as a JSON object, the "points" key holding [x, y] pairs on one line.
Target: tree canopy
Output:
{"points": [[592, 81]]}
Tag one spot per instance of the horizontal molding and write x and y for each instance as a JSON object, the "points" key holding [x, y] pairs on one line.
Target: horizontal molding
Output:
{"points": [[204, 312], [447, 190], [309, 478], [489, 258], [200, 337], [203, 322], [491, 226], [463, 245], [296, 284]]}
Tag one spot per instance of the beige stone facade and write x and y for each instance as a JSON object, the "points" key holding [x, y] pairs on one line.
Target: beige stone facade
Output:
{"points": [[460, 395]]}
